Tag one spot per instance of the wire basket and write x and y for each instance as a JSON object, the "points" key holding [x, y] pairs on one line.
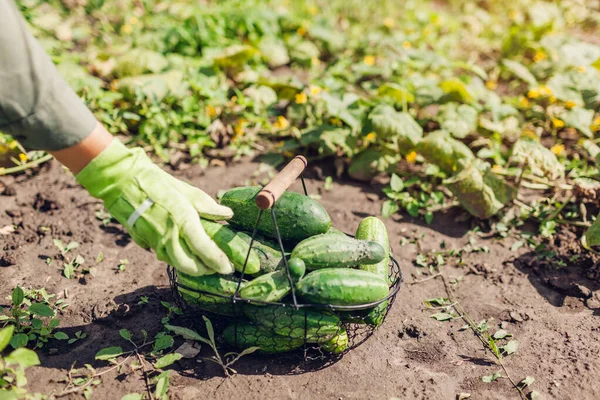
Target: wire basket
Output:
{"points": [[316, 331]]}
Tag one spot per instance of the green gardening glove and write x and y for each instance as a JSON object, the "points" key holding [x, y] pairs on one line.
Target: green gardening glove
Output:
{"points": [[158, 210]]}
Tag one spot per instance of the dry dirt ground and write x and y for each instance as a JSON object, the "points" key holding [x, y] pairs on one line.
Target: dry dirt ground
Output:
{"points": [[553, 313]]}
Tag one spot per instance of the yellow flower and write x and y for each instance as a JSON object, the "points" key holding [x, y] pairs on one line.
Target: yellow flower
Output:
{"points": [[497, 168], [581, 69], [114, 85], [527, 132], [545, 91], [411, 157], [552, 99], [524, 102], [301, 98], [315, 61], [335, 121], [406, 45], [288, 153], [369, 60], [388, 22], [539, 56], [281, 122], [513, 15], [210, 111], [595, 125], [570, 104], [280, 144], [301, 31], [313, 10], [133, 21], [427, 31], [239, 128], [126, 29], [492, 85], [558, 123], [314, 90], [23, 157], [557, 149], [533, 93], [371, 136]]}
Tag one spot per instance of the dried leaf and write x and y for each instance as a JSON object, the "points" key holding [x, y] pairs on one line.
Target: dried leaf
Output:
{"points": [[447, 153], [539, 159]]}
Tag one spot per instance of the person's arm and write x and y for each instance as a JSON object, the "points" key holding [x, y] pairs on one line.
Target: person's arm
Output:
{"points": [[42, 112]]}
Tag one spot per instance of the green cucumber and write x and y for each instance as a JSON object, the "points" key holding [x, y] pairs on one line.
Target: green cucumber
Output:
{"points": [[220, 285], [268, 253], [337, 344], [342, 286], [244, 335], [298, 216], [297, 268], [268, 287], [377, 314], [234, 247], [335, 231], [374, 229], [287, 321], [326, 251]]}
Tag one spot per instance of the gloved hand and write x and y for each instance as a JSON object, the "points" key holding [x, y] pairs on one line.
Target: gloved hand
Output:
{"points": [[158, 210]]}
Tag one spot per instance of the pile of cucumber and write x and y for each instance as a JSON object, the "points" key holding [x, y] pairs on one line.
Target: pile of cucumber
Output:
{"points": [[326, 267]]}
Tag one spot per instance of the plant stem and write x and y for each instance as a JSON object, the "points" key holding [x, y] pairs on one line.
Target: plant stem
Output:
{"points": [[23, 167], [145, 374]]}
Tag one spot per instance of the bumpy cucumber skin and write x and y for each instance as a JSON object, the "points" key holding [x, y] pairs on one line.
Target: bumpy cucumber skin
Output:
{"points": [[268, 287], [327, 251], [373, 229], [342, 286], [248, 335], [224, 285], [234, 247], [297, 268], [337, 344], [270, 256], [335, 231], [286, 321], [376, 316], [298, 216]]}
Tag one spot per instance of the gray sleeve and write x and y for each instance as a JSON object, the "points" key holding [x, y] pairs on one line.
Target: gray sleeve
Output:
{"points": [[37, 107]]}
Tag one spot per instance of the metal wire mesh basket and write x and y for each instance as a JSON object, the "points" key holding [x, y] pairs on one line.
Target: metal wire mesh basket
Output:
{"points": [[318, 331]]}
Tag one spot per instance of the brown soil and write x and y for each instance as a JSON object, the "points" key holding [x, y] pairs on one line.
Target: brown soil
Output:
{"points": [[552, 311]]}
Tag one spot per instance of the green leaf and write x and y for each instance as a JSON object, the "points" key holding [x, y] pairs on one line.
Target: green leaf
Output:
{"points": [[396, 183], [442, 316], [491, 378], [516, 245], [167, 360], [17, 296], [457, 90], [437, 302], [537, 158], [5, 336], [125, 334], [510, 347], [109, 353], [186, 333], [162, 385], [446, 152], [19, 340], [232, 57], [389, 208], [400, 94], [368, 163], [398, 126], [132, 396], [580, 119], [209, 329], [500, 334], [139, 61], [526, 382], [61, 336], [41, 309], [274, 51], [460, 120], [596, 64], [520, 71], [162, 343], [25, 358], [534, 395], [68, 270]]}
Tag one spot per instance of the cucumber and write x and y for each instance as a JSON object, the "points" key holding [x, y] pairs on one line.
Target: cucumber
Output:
{"points": [[234, 247], [297, 268], [337, 344], [287, 321], [298, 216], [224, 285], [335, 231], [377, 314], [326, 251], [342, 286], [268, 287], [374, 229], [268, 253], [244, 335]]}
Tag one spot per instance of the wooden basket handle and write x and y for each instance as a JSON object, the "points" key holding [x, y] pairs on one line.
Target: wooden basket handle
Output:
{"points": [[279, 184]]}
